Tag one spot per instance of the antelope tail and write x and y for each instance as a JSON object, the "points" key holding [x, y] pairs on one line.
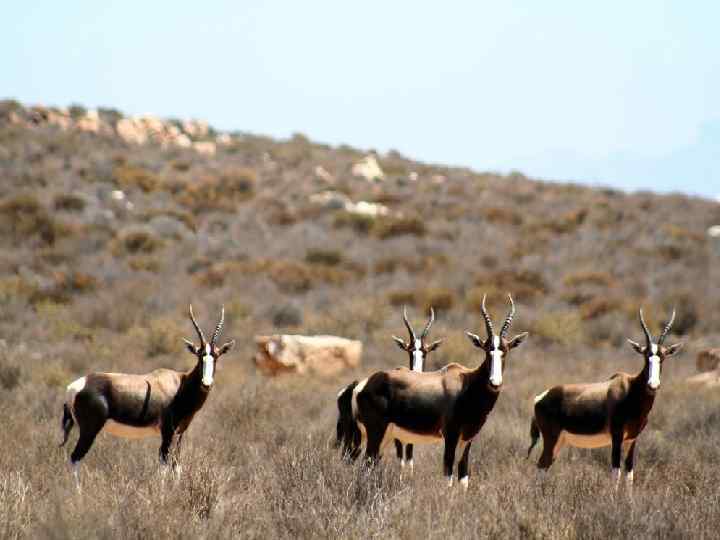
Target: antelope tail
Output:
{"points": [[534, 436], [67, 423]]}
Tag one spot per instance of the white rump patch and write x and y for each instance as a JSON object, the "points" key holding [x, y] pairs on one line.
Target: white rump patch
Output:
{"points": [[353, 401], [496, 356], [654, 376], [540, 397], [340, 393], [72, 390], [130, 432]]}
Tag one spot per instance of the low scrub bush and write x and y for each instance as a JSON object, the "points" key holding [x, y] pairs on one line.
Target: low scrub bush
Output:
{"points": [[219, 193], [69, 202], [589, 277], [136, 240], [24, 217], [135, 177], [562, 327], [325, 257], [390, 226]]}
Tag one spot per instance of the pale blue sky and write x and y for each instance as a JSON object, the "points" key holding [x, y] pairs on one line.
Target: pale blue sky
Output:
{"points": [[614, 93]]}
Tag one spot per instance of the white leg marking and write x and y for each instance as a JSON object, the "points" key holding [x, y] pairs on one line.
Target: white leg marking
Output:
{"points": [[402, 463], [74, 467], [448, 479], [616, 477], [411, 466], [630, 478], [465, 482]]}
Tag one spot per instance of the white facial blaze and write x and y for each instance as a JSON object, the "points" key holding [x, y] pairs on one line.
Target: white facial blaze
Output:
{"points": [[654, 361], [496, 356], [208, 367], [417, 354]]}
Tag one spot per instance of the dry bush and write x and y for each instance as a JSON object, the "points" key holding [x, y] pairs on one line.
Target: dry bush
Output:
{"points": [[359, 223], [503, 216], [600, 305], [564, 328], [69, 202], [525, 285], [24, 217], [589, 277], [163, 336], [145, 263], [221, 192], [325, 257], [136, 239], [390, 226], [129, 177]]}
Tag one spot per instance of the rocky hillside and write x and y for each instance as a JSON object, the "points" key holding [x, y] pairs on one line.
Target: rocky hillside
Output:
{"points": [[118, 222]]}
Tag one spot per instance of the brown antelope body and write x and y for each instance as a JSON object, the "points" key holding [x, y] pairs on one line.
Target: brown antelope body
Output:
{"points": [[450, 405], [161, 403], [609, 413], [347, 434]]}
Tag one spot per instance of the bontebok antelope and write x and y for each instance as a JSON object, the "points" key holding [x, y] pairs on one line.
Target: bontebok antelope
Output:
{"points": [[450, 405], [611, 413], [160, 403], [417, 349]]}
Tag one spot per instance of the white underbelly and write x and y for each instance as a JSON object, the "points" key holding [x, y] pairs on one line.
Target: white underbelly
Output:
{"points": [[409, 437], [586, 441], [130, 432]]}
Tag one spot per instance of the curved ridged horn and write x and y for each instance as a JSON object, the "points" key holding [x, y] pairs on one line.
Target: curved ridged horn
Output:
{"points": [[648, 337], [667, 328], [407, 324], [219, 326], [488, 322], [429, 323], [509, 318], [197, 328]]}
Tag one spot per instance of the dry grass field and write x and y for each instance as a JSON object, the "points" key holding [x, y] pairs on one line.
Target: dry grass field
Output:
{"points": [[89, 282]]}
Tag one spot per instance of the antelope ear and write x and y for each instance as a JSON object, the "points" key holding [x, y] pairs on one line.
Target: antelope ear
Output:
{"points": [[672, 349], [400, 343], [517, 340], [225, 348], [635, 345], [191, 346], [475, 339], [434, 345]]}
